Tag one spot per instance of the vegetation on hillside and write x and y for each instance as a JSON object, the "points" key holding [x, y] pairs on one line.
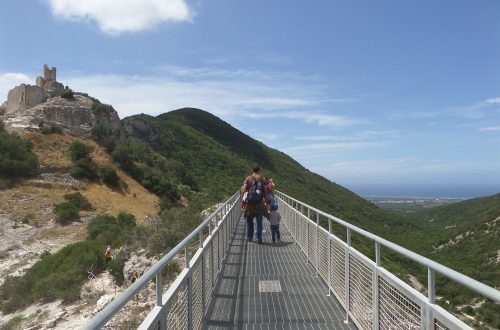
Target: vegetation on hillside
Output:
{"points": [[192, 156], [61, 275], [67, 93], [217, 157], [464, 237], [16, 157]]}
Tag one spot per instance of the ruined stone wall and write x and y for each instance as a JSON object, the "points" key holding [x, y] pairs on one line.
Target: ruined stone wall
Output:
{"points": [[24, 97], [40, 81], [49, 74]]}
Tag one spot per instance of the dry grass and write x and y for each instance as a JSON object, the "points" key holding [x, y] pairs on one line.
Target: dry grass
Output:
{"points": [[52, 150], [24, 199], [106, 200], [76, 233]]}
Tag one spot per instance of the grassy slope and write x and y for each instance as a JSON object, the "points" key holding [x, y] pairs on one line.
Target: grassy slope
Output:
{"points": [[52, 151]]}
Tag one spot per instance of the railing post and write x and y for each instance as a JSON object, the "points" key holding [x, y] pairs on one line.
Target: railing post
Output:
{"points": [[317, 244], [202, 256], [329, 242], [189, 283], [212, 261], [375, 294], [431, 296], [159, 289], [162, 323], [347, 275], [306, 250]]}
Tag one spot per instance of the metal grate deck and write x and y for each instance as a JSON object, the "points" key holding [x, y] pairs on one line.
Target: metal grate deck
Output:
{"points": [[246, 296]]}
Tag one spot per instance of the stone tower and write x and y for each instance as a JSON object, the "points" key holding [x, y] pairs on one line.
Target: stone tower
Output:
{"points": [[24, 96]]}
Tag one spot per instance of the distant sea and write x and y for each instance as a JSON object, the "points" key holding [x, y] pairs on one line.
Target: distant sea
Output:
{"points": [[462, 192]]}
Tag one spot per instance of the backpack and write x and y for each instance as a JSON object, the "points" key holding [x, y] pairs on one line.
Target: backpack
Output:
{"points": [[255, 191]]}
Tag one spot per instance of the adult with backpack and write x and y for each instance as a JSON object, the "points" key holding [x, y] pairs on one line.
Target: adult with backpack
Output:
{"points": [[253, 195]]}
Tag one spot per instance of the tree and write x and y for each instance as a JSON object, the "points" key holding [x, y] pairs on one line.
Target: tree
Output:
{"points": [[107, 175], [16, 157], [78, 150]]}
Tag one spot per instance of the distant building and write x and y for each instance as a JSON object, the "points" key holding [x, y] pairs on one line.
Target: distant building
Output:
{"points": [[23, 97]]}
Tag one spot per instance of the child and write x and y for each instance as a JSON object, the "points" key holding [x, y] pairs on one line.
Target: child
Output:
{"points": [[274, 219], [134, 278], [108, 255]]}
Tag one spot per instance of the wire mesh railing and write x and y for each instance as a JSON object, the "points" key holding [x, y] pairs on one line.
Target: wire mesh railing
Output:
{"points": [[184, 303], [372, 297]]}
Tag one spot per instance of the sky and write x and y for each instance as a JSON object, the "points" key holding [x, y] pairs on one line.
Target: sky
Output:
{"points": [[387, 98]]}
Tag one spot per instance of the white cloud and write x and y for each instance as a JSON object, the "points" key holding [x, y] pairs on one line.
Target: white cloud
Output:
{"points": [[228, 94], [490, 128], [324, 148], [493, 100], [9, 80], [310, 116], [117, 16]]}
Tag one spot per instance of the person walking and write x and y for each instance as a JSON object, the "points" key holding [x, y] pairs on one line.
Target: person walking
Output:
{"points": [[255, 194]]}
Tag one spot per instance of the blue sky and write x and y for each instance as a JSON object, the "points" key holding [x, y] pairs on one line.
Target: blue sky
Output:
{"points": [[382, 97]]}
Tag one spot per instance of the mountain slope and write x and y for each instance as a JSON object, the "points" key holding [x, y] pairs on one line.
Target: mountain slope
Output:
{"points": [[218, 157], [464, 236]]}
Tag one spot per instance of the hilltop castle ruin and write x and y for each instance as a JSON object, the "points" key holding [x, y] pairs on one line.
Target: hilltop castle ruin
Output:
{"points": [[23, 97]]}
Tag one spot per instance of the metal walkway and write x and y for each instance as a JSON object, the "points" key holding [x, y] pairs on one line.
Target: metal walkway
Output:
{"points": [[228, 283], [271, 286]]}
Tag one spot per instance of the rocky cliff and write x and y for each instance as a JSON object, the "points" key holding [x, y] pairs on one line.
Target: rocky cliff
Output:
{"points": [[73, 116]]}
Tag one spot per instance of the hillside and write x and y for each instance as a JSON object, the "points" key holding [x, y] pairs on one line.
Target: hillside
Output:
{"points": [[177, 164], [29, 230], [464, 236], [219, 157]]}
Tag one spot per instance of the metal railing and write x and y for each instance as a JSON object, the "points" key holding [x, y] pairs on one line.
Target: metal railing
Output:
{"points": [[182, 306], [372, 297]]}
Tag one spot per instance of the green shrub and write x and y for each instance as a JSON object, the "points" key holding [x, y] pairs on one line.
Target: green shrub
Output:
{"points": [[54, 276], [79, 150], [16, 157], [65, 212], [98, 108], [157, 182], [87, 95], [51, 129], [79, 201], [13, 324], [469, 310], [107, 175], [122, 155], [115, 268], [110, 230], [67, 93], [83, 169], [28, 218], [161, 239], [99, 132]]}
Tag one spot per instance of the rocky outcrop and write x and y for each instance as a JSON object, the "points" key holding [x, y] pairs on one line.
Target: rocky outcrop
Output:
{"points": [[137, 128], [74, 116]]}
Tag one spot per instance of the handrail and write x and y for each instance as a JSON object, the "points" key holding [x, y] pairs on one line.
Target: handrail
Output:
{"points": [[110, 310], [472, 284]]}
